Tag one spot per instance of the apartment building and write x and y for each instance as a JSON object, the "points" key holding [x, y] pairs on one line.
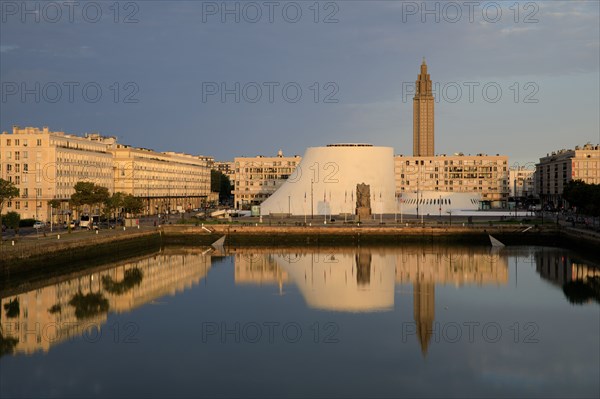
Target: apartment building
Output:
{"points": [[46, 165], [556, 170], [521, 181], [483, 174], [256, 178], [166, 181]]}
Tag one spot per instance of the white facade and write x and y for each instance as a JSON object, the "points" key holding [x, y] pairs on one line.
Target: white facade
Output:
{"points": [[437, 202], [324, 183]]}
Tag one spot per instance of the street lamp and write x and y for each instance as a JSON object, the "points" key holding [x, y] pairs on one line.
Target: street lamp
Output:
{"points": [[311, 200]]}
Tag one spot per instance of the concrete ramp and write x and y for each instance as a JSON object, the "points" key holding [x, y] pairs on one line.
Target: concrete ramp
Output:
{"points": [[495, 243], [219, 244]]}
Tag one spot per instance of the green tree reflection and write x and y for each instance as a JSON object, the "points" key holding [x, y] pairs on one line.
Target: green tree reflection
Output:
{"points": [[580, 291], [56, 308], [132, 278], [12, 308], [88, 305], [7, 345]]}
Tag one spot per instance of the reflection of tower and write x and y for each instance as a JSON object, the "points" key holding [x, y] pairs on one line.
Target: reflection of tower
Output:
{"points": [[363, 268], [423, 143], [424, 311]]}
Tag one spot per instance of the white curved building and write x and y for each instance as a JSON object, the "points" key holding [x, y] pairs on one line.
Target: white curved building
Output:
{"points": [[324, 183], [436, 202]]}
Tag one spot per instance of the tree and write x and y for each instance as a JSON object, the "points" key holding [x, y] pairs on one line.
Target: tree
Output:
{"points": [[113, 203], [88, 193], [8, 191], [12, 220], [586, 197], [219, 182], [54, 204], [133, 204]]}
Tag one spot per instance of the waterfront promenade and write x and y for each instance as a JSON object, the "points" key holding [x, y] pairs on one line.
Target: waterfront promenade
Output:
{"points": [[290, 231]]}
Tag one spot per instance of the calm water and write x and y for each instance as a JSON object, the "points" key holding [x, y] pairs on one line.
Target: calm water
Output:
{"points": [[413, 321]]}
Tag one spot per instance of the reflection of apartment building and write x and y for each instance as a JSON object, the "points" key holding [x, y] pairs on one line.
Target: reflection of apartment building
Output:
{"points": [[166, 181], [559, 267], [556, 170], [451, 266], [426, 269], [521, 181], [45, 165], [251, 268], [45, 316], [256, 178], [483, 174]]}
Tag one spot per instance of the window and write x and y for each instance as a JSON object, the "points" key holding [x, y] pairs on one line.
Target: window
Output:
{"points": [[8, 142], [17, 155], [17, 142], [17, 204], [25, 168], [8, 168], [25, 154], [17, 168], [39, 142]]}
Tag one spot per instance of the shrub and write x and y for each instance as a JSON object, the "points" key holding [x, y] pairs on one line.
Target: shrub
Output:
{"points": [[26, 222]]}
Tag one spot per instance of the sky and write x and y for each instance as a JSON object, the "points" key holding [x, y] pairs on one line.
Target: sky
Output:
{"points": [[229, 79]]}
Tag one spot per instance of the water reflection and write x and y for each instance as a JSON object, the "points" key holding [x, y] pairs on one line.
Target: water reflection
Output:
{"points": [[351, 280], [580, 281], [37, 319], [364, 279]]}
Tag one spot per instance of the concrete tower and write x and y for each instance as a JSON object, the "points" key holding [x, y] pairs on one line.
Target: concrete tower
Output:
{"points": [[423, 145]]}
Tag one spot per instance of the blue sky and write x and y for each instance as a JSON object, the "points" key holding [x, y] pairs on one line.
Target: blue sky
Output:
{"points": [[161, 67]]}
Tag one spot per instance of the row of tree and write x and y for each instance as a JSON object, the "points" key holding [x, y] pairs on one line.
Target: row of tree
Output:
{"points": [[94, 196], [87, 194], [584, 197]]}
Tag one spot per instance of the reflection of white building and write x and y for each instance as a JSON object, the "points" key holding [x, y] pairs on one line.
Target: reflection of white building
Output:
{"points": [[324, 183], [347, 282]]}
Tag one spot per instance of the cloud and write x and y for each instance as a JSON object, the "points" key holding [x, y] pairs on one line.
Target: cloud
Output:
{"points": [[5, 48], [514, 30]]}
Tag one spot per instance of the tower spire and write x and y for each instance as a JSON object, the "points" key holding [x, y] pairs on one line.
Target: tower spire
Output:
{"points": [[423, 133]]}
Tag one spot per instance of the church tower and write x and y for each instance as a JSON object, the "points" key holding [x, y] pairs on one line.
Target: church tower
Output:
{"points": [[423, 145]]}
